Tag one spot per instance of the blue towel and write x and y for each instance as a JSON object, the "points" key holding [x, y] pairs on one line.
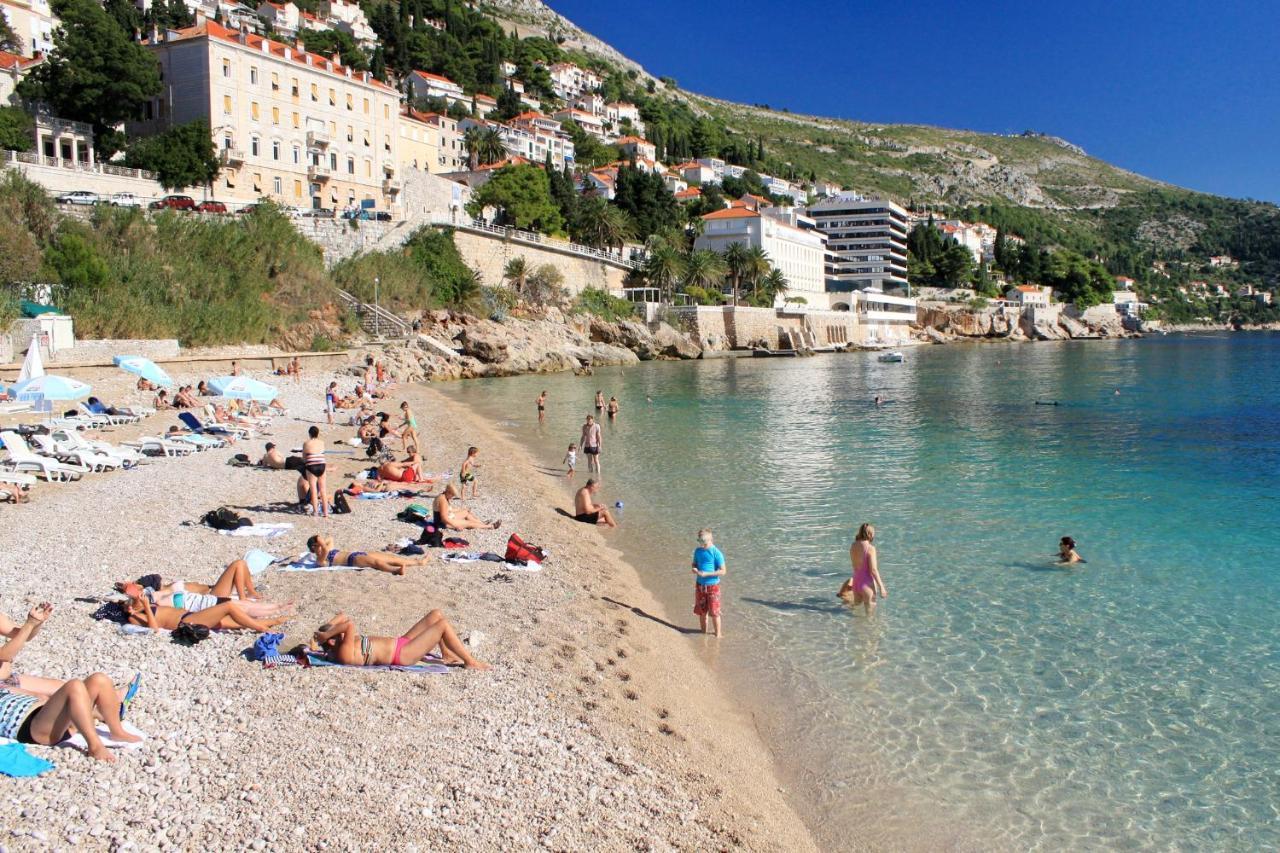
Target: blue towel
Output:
{"points": [[16, 761], [267, 645]]}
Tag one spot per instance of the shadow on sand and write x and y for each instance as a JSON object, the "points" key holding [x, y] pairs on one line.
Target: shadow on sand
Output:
{"points": [[644, 614]]}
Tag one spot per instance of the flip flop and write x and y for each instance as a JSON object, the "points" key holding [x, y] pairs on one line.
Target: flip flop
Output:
{"points": [[130, 693]]}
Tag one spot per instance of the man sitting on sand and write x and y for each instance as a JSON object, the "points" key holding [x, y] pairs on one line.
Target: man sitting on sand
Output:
{"points": [[449, 517], [587, 511], [408, 471], [272, 458], [340, 642], [326, 554]]}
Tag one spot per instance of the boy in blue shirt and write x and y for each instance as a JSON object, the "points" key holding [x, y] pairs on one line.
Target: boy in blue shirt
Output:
{"points": [[708, 568]]}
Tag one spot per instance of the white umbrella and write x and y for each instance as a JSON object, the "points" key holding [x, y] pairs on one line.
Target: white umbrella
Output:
{"points": [[50, 387], [32, 366], [242, 388]]}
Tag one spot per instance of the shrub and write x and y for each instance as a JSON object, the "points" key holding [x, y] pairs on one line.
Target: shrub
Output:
{"points": [[427, 272], [604, 305]]}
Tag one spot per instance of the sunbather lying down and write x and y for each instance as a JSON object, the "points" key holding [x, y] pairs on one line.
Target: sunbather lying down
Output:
{"points": [[27, 718], [236, 581], [340, 642], [228, 615], [327, 555]]}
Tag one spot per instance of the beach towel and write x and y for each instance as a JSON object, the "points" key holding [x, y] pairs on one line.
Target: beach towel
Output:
{"points": [[258, 561], [269, 531], [16, 761], [488, 557], [431, 667], [307, 563], [77, 740]]}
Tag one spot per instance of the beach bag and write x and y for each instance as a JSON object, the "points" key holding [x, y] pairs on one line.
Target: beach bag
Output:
{"points": [[240, 460], [294, 463], [375, 447], [414, 513], [225, 519], [519, 551], [340, 504], [188, 634], [432, 536]]}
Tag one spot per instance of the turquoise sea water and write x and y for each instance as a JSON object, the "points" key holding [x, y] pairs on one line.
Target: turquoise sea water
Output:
{"points": [[1131, 703]]}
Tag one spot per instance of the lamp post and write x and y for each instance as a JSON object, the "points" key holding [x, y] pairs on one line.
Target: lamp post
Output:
{"points": [[377, 318]]}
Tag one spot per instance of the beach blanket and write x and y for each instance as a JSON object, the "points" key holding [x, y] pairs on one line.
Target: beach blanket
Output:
{"points": [[432, 666], [16, 761], [269, 531], [489, 557], [77, 740], [307, 563]]}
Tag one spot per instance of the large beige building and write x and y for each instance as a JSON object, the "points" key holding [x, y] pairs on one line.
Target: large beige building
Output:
{"points": [[290, 125], [429, 142], [33, 22], [798, 252]]}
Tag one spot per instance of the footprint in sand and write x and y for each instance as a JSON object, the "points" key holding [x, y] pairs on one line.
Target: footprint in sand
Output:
{"points": [[624, 676], [631, 694], [663, 713], [666, 730], [622, 653]]}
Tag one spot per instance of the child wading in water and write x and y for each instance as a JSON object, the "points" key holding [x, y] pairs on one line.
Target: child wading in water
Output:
{"points": [[708, 568], [467, 474], [865, 583], [571, 460]]}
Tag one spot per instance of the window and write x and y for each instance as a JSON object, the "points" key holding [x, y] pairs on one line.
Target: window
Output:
{"points": [[333, 162], [275, 82], [253, 110], [368, 168], [275, 116], [226, 143], [366, 139], [257, 181], [275, 149], [350, 101], [226, 105], [226, 68], [333, 98], [386, 111], [296, 121], [276, 185], [297, 154], [254, 145], [297, 189], [293, 83], [351, 165], [315, 92], [366, 106], [386, 142], [253, 76]]}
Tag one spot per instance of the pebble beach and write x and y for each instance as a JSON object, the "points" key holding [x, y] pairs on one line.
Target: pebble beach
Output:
{"points": [[599, 725]]}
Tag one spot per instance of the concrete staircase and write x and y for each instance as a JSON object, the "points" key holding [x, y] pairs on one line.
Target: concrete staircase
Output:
{"points": [[374, 319]]}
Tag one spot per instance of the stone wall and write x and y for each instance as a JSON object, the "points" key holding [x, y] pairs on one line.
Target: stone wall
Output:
{"points": [[719, 328], [57, 180], [488, 254], [100, 351]]}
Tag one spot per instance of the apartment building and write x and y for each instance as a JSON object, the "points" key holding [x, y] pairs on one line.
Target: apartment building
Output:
{"points": [[429, 142], [13, 67], [589, 122], [798, 252], [426, 85], [570, 82], [634, 146], [866, 242], [350, 19], [290, 125], [33, 22]]}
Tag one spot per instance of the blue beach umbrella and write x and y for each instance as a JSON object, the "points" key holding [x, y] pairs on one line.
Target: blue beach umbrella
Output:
{"points": [[50, 387], [242, 388], [144, 367]]}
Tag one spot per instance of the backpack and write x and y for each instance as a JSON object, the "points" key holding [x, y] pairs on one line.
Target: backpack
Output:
{"points": [[519, 551], [374, 448], [188, 634], [225, 519], [340, 504], [432, 536]]}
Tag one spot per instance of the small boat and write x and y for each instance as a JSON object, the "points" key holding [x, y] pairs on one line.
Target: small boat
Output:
{"points": [[893, 357]]}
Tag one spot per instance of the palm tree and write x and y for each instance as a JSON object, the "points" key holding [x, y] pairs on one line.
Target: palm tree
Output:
{"points": [[706, 269], [484, 146], [517, 272], [735, 258], [603, 225], [755, 268], [664, 268], [774, 284]]}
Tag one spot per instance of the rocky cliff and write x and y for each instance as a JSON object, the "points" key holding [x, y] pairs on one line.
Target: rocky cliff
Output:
{"points": [[943, 324]]}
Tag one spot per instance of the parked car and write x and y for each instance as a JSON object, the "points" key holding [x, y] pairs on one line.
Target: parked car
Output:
{"points": [[125, 200], [382, 216], [174, 202], [78, 197], [211, 206], [318, 213]]}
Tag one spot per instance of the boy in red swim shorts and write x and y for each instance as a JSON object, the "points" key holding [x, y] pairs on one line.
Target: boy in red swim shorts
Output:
{"points": [[708, 568]]}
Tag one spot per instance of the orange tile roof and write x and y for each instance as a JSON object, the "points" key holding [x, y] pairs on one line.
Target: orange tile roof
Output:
{"points": [[691, 192], [1028, 288], [427, 75], [509, 161], [213, 30], [481, 96], [12, 60], [633, 140], [733, 213], [692, 164]]}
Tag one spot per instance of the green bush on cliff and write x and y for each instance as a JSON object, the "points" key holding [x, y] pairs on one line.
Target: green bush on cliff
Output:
{"points": [[426, 272], [603, 305]]}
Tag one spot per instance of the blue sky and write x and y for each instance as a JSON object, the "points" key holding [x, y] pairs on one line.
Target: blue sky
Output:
{"points": [[1186, 92]]}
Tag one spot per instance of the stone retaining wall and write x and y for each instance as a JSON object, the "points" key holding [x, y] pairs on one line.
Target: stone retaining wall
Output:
{"points": [[488, 254], [726, 327]]}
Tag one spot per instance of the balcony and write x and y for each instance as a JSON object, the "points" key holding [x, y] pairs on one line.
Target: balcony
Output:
{"points": [[317, 139], [318, 172], [391, 186], [231, 156]]}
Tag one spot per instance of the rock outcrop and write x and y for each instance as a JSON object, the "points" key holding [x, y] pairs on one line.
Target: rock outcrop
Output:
{"points": [[943, 324]]}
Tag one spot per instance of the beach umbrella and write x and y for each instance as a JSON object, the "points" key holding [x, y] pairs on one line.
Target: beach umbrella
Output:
{"points": [[31, 365], [50, 387], [144, 367], [242, 388]]}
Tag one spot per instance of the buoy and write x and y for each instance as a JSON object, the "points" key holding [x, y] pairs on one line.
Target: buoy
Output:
{"points": [[618, 504]]}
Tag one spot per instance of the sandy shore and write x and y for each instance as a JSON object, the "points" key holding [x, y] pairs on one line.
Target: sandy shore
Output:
{"points": [[597, 727]]}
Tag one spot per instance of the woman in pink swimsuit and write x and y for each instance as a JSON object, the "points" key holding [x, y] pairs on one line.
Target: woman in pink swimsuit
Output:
{"points": [[865, 584]]}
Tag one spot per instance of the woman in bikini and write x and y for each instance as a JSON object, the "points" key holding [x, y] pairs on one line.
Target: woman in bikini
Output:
{"points": [[613, 408], [339, 640], [229, 615], [599, 401], [313, 471], [322, 549], [865, 584], [28, 718], [236, 582], [408, 428]]}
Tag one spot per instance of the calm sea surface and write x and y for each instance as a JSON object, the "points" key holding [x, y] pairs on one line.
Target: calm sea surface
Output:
{"points": [[1130, 703]]}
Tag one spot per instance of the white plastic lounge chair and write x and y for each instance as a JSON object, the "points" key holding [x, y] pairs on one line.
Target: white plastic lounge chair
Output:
{"points": [[115, 420], [151, 444], [199, 442], [21, 458], [15, 479], [91, 459], [75, 441]]}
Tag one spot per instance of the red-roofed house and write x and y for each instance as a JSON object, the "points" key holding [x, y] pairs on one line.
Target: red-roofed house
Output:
{"points": [[423, 84], [696, 173], [799, 252], [690, 194], [284, 18], [1029, 295], [12, 69], [592, 124], [289, 125], [634, 146]]}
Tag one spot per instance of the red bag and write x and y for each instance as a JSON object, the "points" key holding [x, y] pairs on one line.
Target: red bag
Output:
{"points": [[519, 551]]}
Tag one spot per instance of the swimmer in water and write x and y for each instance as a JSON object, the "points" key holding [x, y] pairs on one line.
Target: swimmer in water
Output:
{"points": [[878, 401], [1067, 552]]}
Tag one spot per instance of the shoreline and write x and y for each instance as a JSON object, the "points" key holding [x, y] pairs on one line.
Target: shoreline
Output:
{"points": [[593, 729]]}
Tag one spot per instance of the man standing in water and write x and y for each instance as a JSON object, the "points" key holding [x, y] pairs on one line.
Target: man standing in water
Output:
{"points": [[592, 444], [542, 407]]}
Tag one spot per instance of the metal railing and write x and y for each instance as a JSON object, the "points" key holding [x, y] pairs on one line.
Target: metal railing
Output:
{"points": [[536, 239], [36, 159], [375, 319]]}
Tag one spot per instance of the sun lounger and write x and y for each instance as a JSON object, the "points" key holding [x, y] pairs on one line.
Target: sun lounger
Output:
{"points": [[160, 446], [14, 408], [96, 462], [74, 440], [13, 478], [199, 442], [115, 420], [191, 422], [21, 458]]}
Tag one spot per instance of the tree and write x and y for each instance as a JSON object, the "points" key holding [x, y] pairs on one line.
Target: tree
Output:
{"points": [[16, 129], [182, 156], [509, 105], [773, 285], [587, 150], [484, 146], [646, 200], [9, 40], [664, 268], [328, 42], [95, 74], [755, 268], [522, 197], [735, 260], [601, 224], [517, 273], [705, 269]]}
